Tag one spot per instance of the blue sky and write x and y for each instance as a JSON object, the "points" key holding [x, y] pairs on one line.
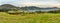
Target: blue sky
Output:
{"points": [[31, 2]]}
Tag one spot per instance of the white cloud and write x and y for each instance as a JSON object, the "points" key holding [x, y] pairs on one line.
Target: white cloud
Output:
{"points": [[31, 2]]}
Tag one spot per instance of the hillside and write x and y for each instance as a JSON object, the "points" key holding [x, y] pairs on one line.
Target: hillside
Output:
{"points": [[34, 8], [9, 7]]}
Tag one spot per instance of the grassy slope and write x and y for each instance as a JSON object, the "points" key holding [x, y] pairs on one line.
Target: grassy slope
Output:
{"points": [[30, 18]]}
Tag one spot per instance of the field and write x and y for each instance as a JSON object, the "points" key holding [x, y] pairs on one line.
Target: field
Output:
{"points": [[30, 18]]}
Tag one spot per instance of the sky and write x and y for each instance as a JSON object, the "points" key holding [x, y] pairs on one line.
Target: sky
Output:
{"points": [[40, 3]]}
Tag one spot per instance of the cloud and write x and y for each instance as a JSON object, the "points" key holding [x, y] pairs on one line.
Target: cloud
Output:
{"points": [[31, 2]]}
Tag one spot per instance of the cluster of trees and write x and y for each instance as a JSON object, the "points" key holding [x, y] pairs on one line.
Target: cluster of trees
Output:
{"points": [[55, 11]]}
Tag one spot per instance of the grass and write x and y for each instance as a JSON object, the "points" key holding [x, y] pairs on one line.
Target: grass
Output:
{"points": [[30, 18]]}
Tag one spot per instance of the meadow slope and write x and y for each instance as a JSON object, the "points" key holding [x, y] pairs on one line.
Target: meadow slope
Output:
{"points": [[30, 18]]}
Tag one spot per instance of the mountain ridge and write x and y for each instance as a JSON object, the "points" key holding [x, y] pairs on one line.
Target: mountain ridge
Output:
{"points": [[26, 8]]}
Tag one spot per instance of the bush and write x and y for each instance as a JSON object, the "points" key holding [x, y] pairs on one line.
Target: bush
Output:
{"points": [[55, 11]]}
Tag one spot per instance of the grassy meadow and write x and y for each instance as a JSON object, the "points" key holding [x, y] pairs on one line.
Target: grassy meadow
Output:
{"points": [[30, 18]]}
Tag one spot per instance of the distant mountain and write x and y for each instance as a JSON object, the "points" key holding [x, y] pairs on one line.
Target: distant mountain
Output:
{"points": [[9, 7], [30, 8], [38, 8], [34, 8]]}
